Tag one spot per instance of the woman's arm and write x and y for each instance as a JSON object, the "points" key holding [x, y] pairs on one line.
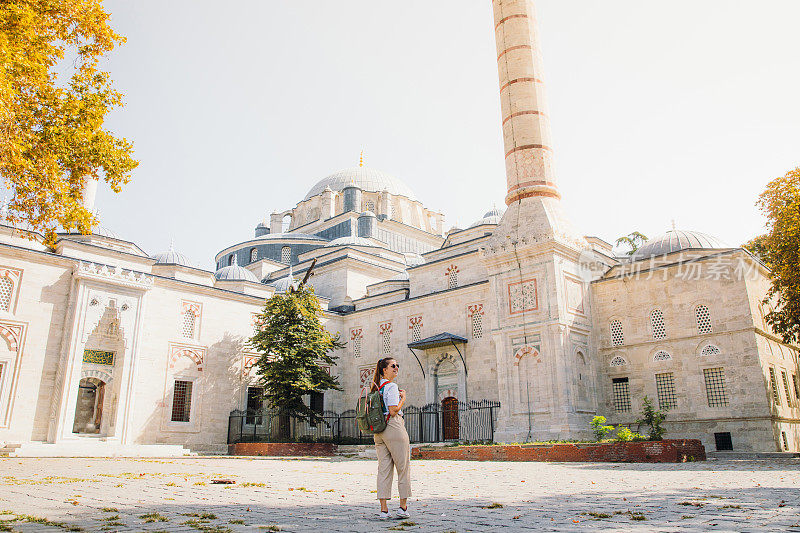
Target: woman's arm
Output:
{"points": [[394, 409]]}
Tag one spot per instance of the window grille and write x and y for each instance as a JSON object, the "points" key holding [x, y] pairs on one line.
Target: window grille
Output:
{"points": [[715, 387], [182, 401], [796, 387], [622, 395], [416, 332], [710, 350], [189, 319], [477, 325], [6, 291], [617, 337], [657, 322], [785, 441], [386, 338], [786, 388], [661, 355], [665, 387], [357, 347], [452, 279], [703, 319], [618, 361], [774, 383], [286, 255], [253, 255], [369, 205]]}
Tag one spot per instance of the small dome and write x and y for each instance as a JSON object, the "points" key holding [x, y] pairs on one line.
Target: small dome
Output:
{"points": [[282, 285], [352, 241], [490, 217], [171, 257], [234, 272], [675, 241], [364, 178]]}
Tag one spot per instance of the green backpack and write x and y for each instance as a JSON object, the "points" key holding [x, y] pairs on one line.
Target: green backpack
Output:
{"points": [[369, 411]]}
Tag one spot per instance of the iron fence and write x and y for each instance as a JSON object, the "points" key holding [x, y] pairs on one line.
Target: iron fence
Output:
{"points": [[456, 421]]}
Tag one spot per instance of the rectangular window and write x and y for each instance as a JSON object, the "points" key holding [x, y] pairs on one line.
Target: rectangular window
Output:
{"points": [[255, 402], [723, 441], [357, 347], [786, 388], [785, 441], [182, 401], [773, 381], [477, 325], [665, 387], [622, 395], [796, 387], [715, 387]]}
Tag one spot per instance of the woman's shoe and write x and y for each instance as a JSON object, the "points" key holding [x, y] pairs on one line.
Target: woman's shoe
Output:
{"points": [[383, 515], [402, 513]]}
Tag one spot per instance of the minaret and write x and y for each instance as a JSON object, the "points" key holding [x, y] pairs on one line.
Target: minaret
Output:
{"points": [[533, 258], [526, 125]]}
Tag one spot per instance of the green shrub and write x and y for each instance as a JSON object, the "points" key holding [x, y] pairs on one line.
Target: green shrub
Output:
{"points": [[652, 418], [599, 428], [626, 435]]}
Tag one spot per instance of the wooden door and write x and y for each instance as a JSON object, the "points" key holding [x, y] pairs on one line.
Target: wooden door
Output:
{"points": [[450, 418]]}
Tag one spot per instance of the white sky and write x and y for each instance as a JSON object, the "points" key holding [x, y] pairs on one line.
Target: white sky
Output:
{"points": [[661, 110]]}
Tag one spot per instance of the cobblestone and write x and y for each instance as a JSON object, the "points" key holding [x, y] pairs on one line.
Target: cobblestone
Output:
{"points": [[321, 495]]}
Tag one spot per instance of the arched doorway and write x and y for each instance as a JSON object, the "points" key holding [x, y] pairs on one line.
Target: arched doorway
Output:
{"points": [[450, 418], [89, 408]]}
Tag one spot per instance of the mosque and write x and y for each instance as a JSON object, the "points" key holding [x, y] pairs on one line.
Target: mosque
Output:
{"points": [[107, 350]]}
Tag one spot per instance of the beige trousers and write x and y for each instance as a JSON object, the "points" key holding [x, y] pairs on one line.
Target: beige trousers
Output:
{"points": [[393, 451]]}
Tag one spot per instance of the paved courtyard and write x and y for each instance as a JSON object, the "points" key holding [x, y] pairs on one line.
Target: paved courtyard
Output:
{"points": [[320, 495]]}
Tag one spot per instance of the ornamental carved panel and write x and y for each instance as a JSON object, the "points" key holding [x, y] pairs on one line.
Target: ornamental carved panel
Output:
{"points": [[523, 296]]}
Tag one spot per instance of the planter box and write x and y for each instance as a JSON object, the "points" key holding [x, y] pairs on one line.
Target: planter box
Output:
{"points": [[665, 451], [283, 449]]}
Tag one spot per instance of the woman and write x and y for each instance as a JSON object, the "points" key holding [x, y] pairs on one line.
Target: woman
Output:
{"points": [[392, 445]]}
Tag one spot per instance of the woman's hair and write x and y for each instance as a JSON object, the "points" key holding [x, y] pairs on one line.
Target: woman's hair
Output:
{"points": [[382, 365]]}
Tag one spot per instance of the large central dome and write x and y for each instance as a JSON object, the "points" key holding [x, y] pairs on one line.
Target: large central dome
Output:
{"points": [[366, 179]]}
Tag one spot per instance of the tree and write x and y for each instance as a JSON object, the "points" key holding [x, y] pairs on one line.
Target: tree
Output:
{"points": [[51, 123], [780, 251], [758, 247], [599, 428], [652, 418], [294, 345], [633, 241]]}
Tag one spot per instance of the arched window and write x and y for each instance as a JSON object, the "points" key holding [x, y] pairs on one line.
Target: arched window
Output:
{"points": [[452, 279], [703, 319], [657, 323], [618, 361], [188, 324], [286, 255], [6, 292], [477, 325], [230, 260], [710, 350], [253, 255], [661, 355], [617, 336]]}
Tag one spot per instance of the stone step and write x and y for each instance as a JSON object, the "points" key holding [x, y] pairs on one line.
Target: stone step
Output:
{"points": [[98, 448], [8, 448], [722, 456]]}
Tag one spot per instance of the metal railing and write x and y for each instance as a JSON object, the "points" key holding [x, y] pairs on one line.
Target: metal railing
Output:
{"points": [[461, 421]]}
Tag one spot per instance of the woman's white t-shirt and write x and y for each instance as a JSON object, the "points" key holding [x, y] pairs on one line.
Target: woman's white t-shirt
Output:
{"points": [[391, 395]]}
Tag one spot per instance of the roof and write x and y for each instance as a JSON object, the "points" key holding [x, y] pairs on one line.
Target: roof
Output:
{"points": [[440, 339], [675, 241], [234, 272], [171, 257], [367, 179], [490, 217]]}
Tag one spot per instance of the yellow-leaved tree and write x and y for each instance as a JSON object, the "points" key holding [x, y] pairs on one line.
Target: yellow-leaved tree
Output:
{"points": [[54, 99], [780, 251]]}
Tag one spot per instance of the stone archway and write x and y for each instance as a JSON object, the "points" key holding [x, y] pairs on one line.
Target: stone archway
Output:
{"points": [[89, 406], [446, 378]]}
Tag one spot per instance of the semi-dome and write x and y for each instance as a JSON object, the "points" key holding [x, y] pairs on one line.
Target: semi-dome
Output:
{"points": [[675, 241], [234, 272], [171, 257], [490, 217], [366, 179]]}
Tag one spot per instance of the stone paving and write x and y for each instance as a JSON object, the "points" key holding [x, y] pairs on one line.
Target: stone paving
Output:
{"points": [[320, 495]]}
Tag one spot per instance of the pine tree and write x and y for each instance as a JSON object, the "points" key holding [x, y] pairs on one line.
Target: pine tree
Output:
{"points": [[294, 346]]}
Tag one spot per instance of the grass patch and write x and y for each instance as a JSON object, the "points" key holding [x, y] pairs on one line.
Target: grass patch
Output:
{"points": [[397, 528], [494, 505], [693, 504], [112, 518], [110, 510], [731, 507], [153, 517], [270, 528], [172, 484], [639, 517], [203, 525], [598, 515], [407, 523], [248, 484], [200, 483], [237, 521], [5, 527]]}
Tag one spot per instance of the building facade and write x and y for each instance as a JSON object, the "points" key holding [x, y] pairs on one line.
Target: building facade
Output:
{"points": [[106, 349]]}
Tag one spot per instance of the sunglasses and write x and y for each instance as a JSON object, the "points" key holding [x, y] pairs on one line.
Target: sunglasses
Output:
{"points": [[395, 366]]}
